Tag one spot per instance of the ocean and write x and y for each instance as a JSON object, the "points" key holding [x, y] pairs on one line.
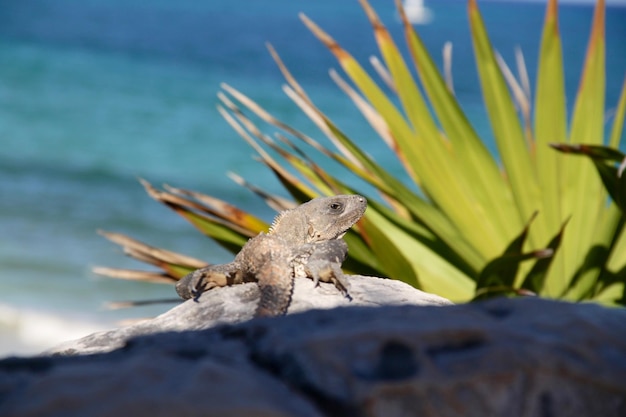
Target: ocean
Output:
{"points": [[95, 94]]}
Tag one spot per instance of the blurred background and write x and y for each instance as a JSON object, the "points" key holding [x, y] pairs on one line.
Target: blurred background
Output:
{"points": [[97, 93]]}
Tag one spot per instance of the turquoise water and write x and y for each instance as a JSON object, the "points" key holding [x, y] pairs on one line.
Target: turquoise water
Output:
{"points": [[94, 94]]}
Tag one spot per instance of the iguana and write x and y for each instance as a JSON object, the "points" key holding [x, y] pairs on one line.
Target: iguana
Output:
{"points": [[305, 241]]}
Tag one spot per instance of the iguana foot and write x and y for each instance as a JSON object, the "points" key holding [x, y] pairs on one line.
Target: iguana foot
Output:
{"points": [[324, 264], [325, 271], [194, 284]]}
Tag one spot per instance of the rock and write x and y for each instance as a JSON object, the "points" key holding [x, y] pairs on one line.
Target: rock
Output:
{"points": [[502, 357], [237, 304]]}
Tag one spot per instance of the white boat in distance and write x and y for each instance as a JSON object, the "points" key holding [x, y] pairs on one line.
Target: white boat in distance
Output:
{"points": [[416, 12]]}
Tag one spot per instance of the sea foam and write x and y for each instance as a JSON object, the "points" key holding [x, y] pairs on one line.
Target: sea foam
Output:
{"points": [[28, 332]]}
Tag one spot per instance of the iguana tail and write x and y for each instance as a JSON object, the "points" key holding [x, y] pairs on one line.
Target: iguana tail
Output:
{"points": [[276, 287]]}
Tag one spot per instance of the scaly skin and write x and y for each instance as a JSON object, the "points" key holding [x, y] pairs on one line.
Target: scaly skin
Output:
{"points": [[304, 242]]}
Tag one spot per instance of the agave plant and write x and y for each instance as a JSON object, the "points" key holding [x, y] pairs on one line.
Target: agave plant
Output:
{"points": [[528, 220]]}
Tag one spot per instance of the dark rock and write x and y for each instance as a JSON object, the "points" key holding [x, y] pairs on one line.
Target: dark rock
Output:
{"points": [[542, 358]]}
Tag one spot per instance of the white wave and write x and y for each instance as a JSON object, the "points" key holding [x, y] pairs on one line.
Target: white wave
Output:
{"points": [[29, 332]]}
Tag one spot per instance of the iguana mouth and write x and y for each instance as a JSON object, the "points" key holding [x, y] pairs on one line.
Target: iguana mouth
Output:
{"points": [[340, 235]]}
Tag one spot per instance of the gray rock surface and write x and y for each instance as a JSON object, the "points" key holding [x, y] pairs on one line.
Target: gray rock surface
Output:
{"points": [[504, 357], [237, 304]]}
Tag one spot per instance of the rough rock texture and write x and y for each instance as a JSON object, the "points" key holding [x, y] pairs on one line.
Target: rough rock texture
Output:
{"points": [[238, 303], [505, 357]]}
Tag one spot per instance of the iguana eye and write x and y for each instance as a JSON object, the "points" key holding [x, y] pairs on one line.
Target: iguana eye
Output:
{"points": [[335, 206]]}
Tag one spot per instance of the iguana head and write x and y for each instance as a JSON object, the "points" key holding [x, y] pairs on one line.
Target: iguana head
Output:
{"points": [[324, 218]]}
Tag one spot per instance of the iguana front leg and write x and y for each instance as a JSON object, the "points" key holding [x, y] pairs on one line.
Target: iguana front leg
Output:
{"points": [[324, 264], [203, 279]]}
